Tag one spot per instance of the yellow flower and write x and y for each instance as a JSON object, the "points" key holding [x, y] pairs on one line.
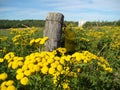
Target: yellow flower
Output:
{"points": [[55, 81], [27, 72], [54, 65], [19, 76], [20, 63], [44, 70], [51, 70], [24, 67], [50, 60], [15, 38], [9, 55], [72, 74], [3, 88], [62, 50], [66, 86], [10, 64], [104, 66], [11, 87], [14, 65], [85, 60], [24, 81], [1, 60], [108, 69], [20, 58], [62, 61], [67, 68], [59, 68], [78, 70], [40, 64], [32, 70], [3, 76], [3, 83], [19, 71], [10, 82], [36, 68], [30, 66], [45, 64], [57, 62], [68, 57], [43, 40], [32, 41], [63, 72], [37, 40]]}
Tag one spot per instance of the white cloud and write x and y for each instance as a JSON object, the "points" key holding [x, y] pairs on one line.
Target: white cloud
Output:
{"points": [[22, 13], [105, 5], [72, 9]]}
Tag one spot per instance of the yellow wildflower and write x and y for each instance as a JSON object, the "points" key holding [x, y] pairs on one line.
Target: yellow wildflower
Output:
{"points": [[3, 76], [44, 70], [51, 70], [63, 72], [32, 41], [14, 65], [37, 40], [9, 55], [19, 71], [10, 64], [46, 38], [11, 87], [20, 63], [55, 81], [1, 60], [43, 40], [108, 69], [27, 72], [66, 86], [24, 81], [78, 69], [36, 68], [68, 57], [3, 88], [24, 67], [10, 82], [59, 68], [19, 76], [54, 65], [62, 61], [62, 50], [50, 60], [3, 83]]}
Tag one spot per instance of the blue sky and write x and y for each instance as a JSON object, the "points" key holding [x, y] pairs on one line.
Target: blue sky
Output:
{"points": [[73, 10]]}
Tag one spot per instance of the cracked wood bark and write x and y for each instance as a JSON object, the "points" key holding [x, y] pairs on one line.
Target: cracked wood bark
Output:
{"points": [[53, 30]]}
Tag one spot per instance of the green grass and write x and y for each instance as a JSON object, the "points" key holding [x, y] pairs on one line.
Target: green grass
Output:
{"points": [[4, 32]]}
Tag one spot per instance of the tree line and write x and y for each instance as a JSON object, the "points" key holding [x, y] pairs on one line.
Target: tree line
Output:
{"points": [[102, 23], [5, 24]]}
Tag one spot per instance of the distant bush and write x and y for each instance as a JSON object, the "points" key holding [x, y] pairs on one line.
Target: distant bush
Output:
{"points": [[21, 23], [101, 23]]}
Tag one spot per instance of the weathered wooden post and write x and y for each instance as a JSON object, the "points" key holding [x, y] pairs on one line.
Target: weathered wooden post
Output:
{"points": [[53, 30]]}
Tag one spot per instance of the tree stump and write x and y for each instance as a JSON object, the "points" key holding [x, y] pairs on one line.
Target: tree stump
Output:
{"points": [[53, 30]]}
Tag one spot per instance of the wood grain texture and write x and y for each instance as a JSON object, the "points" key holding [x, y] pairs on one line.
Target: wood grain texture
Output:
{"points": [[53, 30]]}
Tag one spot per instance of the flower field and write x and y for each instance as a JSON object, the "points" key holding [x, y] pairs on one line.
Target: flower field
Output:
{"points": [[89, 59]]}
